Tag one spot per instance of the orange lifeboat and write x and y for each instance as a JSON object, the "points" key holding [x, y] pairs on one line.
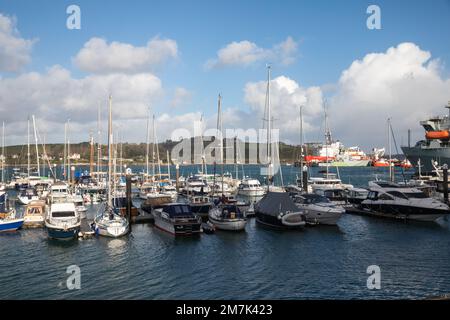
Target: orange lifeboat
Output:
{"points": [[442, 134]]}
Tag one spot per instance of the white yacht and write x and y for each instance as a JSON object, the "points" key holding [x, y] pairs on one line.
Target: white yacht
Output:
{"points": [[318, 209], [251, 187], [63, 221], [387, 199]]}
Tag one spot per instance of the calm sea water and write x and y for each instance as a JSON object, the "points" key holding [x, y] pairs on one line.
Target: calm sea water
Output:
{"points": [[260, 263]]}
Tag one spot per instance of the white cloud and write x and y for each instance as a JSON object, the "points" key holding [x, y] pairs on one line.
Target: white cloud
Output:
{"points": [[403, 83], [181, 96], [55, 96], [286, 98], [97, 56], [245, 53], [14, 50]]}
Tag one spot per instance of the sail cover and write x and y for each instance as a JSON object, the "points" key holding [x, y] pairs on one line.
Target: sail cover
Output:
{"points": [[273, 203]]}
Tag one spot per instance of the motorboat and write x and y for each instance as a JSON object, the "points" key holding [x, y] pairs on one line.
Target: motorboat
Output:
{"points": [[177, 219], [200, 205], [318, 209], [227, 217], [63, 221], [27, 195], [356, 195], [251, 187], [34, 216], [388, 199], [277, 209]]}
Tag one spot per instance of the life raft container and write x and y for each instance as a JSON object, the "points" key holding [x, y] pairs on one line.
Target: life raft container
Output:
{"points": [[442, 134]]}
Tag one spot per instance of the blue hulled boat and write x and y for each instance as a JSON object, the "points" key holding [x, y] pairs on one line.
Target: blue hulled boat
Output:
{"points": [[8, 220]]}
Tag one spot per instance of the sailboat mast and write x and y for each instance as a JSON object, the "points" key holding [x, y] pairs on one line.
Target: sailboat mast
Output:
{"points": [[269, 128], [157, 147], [28, 146], [99, 144], [219, 133], [301, 145], [110, 141], [148, 143], [390, 149], [3, 152], [327, 138], [68, 154], [91, 153], [65, 151], [36, 144], [168, 165]]}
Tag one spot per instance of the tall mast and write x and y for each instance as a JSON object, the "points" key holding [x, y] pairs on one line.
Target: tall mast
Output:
{"points": [[91, 160], [110, 141], [153, 150], [99, 144], [390, 151], [148, 145], [37, 149], [65, 151], [68, 154], [121, 153], [157, 147], [168, 165], [327, 137], [301, 145], [219, 133], [28, 146], [3, 152], [269, 128]]}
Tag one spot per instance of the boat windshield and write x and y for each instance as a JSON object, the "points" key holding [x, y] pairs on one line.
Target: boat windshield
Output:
{"points": [[313, 198], [179, 211], [63, 214]]}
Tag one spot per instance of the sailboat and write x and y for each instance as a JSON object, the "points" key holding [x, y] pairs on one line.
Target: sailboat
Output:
{"points": [[108, 222], [225, 216], [276, 208]]}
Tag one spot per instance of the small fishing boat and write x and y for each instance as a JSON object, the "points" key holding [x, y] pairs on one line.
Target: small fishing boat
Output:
{"points": [[177, 219], [63, 221], [34, 216], [277, 209], [8, 219]]}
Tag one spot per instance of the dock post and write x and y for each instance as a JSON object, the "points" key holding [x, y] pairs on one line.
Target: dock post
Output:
{"points": [[128, 188], [177, 167], [305, 178], [445, 182]]}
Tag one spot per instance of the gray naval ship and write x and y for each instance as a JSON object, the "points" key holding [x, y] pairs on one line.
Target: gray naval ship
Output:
{"points": [[436, 146]]}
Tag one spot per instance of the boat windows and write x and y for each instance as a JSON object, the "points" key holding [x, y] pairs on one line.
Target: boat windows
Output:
{"points": [[373, 195], [385, 196], [416, 195], [63, 214], [398, 194]]}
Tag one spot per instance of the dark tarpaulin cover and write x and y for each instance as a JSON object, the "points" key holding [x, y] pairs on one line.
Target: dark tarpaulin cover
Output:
{"points": [[273, 203]]}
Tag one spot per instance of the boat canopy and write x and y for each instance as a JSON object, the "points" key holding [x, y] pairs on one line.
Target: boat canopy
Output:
{"points": [[274, 203]]}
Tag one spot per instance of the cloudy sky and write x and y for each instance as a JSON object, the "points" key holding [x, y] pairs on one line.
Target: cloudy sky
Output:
{"points": [[175, 57]]}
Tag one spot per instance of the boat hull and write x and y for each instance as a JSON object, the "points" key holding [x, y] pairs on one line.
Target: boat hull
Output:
{"points": [[404, 212], [251, 193], [62, 234], [354, 163], [178, 229], [11, 225], [229, 224]]}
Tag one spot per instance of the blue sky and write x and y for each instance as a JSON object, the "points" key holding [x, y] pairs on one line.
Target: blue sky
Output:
{"points": [[330, 36]]}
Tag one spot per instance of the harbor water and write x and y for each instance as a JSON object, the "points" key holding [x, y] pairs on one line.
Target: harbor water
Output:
{"points": [[320, 262]]}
